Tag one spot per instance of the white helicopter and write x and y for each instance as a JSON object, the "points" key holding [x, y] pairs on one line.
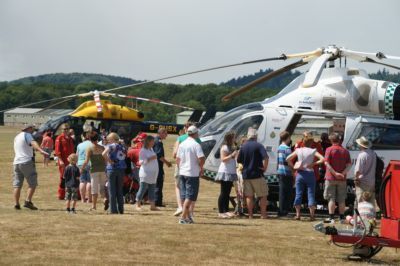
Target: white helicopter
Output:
{"points": [[370, 108]]}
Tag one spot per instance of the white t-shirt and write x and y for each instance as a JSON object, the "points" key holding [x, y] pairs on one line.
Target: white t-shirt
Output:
{"points": [[189, 153], [228, 167], [149, 169], [22, 148], [306, 156]]}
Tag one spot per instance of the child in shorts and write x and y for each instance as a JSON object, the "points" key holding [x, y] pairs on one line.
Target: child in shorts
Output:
{"points": [[71, 179], [366, 210]]}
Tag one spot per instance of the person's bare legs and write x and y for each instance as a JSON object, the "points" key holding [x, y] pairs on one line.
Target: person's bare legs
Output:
{"points": [[186, 209], [312, 212], [191, 208], [250, 206], [88, 189], [263, 207], [30, 193], [82, 190], [178, 195], [94, 201], [17, 194], [331, 207], [298, 208]]}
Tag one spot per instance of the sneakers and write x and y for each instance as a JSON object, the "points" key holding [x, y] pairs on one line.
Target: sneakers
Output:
{"points": [[185, 221], [29, 205], [178, 212], [17, 207], [73, 211]]}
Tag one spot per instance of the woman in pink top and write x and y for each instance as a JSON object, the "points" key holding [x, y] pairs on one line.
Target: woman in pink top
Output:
{"points": [[48, 146]]}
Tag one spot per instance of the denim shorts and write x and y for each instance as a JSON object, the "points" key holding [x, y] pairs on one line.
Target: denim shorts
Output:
{"points": [[189, 187], [85, 175]]}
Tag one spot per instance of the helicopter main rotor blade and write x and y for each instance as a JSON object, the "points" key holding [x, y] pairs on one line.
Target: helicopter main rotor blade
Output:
{"points": [[282, 57], [312, 76], [69, 97], [106, 94], [369, 60], [264, 78], [361, 56], [316, 52]]}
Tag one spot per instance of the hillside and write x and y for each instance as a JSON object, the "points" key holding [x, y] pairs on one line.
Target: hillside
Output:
{"points": [[74, 79]]}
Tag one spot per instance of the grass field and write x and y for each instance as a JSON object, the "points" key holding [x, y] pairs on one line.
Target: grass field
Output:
{"points": [[50, 236]]}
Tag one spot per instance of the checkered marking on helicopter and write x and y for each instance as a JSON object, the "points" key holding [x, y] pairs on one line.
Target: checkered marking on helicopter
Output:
{"points": [[269, 178], [389, 94]]}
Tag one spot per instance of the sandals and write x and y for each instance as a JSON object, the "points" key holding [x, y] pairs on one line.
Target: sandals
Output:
{"points": [[297, 218]]}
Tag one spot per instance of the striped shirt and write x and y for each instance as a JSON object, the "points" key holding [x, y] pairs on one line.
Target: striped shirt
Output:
{"points": [[283, 152]]}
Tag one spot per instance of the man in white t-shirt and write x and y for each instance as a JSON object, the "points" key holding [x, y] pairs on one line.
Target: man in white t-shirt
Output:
{"points": [[190, 160], [24, 166]]}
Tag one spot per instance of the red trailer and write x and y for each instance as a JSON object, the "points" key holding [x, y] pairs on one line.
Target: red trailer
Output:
{"points": [[368, 244]]}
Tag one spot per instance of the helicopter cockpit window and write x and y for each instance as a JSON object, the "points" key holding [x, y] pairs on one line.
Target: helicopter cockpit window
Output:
{"points": [[242, 127], [219, 124], [382, 137]]}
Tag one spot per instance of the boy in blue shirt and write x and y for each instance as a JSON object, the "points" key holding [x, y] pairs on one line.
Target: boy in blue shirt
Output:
{"points": [[71, 179], [285, 175]]}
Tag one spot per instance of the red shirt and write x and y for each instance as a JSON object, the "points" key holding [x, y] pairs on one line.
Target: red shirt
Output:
{"points": [[47, 143], [314, 145], [338, 157], [133, 155], [64, 147]]}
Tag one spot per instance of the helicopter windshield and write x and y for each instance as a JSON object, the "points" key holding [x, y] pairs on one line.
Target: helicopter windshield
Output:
{"points": [[219, 124]]}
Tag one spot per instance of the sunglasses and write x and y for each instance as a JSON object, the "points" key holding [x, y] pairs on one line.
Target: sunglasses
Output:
{"points": [[66, 128]]}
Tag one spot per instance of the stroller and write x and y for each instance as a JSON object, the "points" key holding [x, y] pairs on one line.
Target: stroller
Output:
{"points": [[131, 186]]}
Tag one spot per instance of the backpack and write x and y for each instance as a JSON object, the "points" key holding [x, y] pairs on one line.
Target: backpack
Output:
{"points": [[380, 166]]}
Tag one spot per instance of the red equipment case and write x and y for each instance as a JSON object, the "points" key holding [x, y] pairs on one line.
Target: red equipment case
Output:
{"points": [[390, 222]]}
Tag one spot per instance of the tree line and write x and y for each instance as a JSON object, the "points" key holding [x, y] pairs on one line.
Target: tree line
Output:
{"points": [[53, 86]]}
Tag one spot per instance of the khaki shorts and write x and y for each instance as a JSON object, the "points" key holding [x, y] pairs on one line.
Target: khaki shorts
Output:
{"points": [[27, 171], [361, 188], [256, 186], [335, 191], [98, 183]]}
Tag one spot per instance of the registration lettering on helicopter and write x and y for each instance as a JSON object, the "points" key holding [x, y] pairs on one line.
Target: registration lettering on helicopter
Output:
{"points": [[307, 100], [170, 129]]}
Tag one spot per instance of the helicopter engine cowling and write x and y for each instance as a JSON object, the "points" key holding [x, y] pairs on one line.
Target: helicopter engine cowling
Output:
{"points": [[392, 101]]}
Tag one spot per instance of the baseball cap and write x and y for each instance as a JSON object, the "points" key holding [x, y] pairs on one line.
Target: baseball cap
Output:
{"points": [[192, 130], [25, 127], [140, 137]]}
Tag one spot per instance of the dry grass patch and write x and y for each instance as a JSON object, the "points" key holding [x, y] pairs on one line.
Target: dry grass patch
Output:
{"points": [[50, 236]]}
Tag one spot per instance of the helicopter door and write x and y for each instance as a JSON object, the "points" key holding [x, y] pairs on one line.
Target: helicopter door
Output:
{"points": [[383, 134], [240, 128]]}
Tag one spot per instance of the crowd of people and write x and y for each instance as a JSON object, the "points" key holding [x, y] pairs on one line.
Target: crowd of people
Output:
{"points": [[98, 165]]}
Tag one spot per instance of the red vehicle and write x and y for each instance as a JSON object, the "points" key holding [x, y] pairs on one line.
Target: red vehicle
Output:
{"points": [[368, 244]]}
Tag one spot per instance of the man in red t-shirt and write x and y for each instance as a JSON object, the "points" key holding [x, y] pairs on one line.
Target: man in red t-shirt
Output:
{"points": [[314, 145], [338, 163], [63, 148]]}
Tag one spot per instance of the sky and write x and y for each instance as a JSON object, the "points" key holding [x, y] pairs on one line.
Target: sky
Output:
{"points": [[149, 39]]}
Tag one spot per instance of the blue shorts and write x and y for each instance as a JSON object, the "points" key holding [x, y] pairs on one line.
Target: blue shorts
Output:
{"points": [[85, 175], [189, 187]]}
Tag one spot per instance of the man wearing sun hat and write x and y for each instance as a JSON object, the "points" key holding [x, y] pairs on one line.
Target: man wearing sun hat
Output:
{"points": [[365, 169], [24, 165]]}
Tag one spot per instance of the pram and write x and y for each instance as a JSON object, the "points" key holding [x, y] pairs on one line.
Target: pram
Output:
{"points": [[131, 186]]}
